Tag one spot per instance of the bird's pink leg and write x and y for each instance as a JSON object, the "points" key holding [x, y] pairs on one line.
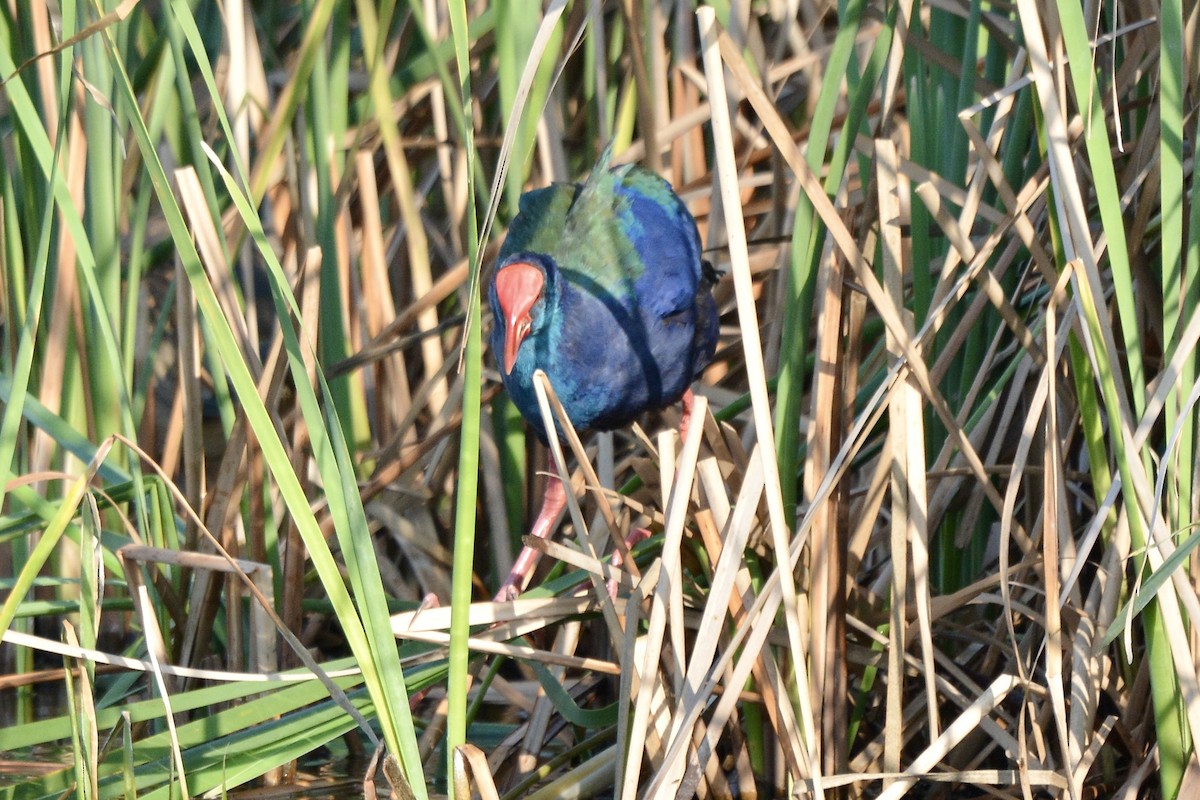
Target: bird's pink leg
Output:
{"points": [[636, 535], [687, 401], [553, 502]]}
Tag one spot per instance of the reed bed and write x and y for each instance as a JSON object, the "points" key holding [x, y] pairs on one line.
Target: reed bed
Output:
{"points": [[933, 532]]}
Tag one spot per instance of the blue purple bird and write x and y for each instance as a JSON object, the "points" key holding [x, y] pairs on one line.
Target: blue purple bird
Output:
{"points": [[601, 285]]}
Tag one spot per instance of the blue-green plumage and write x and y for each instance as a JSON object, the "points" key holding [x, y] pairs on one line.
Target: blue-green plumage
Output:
{"points": [[602, 286]]}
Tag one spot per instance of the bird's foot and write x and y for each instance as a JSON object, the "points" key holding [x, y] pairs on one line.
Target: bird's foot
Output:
{"points": [[636, 535], [553, 502], [508, 592]]}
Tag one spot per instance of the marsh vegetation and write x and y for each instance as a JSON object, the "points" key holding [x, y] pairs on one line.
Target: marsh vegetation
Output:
{"points": [[931, 530]]}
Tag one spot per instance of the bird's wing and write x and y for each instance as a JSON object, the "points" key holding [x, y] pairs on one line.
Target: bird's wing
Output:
{"points": [[640, 238], [663, 232]]}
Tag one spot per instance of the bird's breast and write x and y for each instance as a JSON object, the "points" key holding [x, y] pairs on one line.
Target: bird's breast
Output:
{"points": [[608, 361]]}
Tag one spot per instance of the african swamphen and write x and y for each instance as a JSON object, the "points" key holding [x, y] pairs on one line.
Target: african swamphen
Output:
{"points": [[601, 285]]}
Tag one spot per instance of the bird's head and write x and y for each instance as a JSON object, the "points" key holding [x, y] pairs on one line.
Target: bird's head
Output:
{"points": [[520, 285]]}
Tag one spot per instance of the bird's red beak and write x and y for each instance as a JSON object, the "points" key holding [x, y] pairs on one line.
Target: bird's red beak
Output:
{"points": [[518, 286]]}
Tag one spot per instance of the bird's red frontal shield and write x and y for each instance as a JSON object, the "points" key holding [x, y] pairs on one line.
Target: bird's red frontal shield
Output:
{"points": [[518, 286]]}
